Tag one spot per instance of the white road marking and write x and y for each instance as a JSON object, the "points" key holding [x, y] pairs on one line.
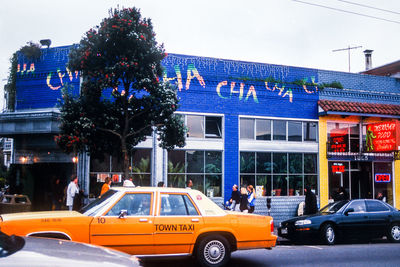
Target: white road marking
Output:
{"points": [[314, 247]]}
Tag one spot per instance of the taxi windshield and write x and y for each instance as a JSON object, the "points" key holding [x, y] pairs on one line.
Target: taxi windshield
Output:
{"points": [[97, 203], [333, 207]]}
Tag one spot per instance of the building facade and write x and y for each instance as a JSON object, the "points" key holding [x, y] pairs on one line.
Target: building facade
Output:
{"points": [[248, 123]]}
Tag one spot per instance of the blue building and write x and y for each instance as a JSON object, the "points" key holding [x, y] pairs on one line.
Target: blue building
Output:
{"points": [[248, 123]]}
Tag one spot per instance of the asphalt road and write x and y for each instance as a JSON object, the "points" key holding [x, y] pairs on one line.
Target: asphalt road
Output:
{"points": [[369, 254]]}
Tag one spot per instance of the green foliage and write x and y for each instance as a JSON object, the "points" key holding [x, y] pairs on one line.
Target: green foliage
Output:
{"points": [[121, 55], [174, 179], [333, 84], [31, 51], [142, 167]]}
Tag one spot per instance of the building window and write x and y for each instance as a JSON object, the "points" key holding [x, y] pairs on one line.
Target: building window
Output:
{"points": [[247, 128], [278, 130], [204, 168], [200, 126], [310, 131], [278, 174], [263, 129], [111, 166], [343, 137]]}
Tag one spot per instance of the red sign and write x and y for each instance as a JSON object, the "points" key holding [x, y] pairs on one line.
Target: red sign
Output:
{"points": [[382, 177], [338, 168], [383, 137], [338, 140]]}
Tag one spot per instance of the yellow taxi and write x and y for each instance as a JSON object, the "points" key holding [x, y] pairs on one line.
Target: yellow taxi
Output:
{"points": [[149, 221]]}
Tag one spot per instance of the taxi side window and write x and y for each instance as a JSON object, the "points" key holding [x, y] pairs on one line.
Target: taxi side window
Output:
{"points": [[134, 204], [176, 205], [358, 206]]}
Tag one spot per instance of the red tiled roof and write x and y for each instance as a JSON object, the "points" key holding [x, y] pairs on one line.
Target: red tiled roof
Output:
{"points": [[356, 107]]}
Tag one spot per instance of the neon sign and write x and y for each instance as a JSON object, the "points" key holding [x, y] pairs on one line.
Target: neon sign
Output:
{"points": [[338, 168], [338, 140], [383, 137], [382, 178]]}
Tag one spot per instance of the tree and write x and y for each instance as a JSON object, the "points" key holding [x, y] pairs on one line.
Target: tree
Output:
{"points": [[122, 99]]}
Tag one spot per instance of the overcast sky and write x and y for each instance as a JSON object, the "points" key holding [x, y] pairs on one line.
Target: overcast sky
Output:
{"points": [[282, 32]]}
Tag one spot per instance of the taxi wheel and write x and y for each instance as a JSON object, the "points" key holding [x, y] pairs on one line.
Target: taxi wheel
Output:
{"points": [[213, 251], [328, 234], [394, 233]]}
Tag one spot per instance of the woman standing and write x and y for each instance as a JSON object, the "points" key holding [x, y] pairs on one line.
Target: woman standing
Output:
{"points": [[251, 198], [244, 203], [106, 185]]}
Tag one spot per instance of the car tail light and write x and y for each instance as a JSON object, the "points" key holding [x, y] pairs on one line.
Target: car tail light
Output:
{"points": [[272, 226]]}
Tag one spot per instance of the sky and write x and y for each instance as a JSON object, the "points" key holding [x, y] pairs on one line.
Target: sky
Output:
{"points": [[283, 32]]}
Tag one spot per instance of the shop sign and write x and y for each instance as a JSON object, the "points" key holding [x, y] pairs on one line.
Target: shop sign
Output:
{"points": [[338, 168], [338, 140], [383, 137], [382, 178]]}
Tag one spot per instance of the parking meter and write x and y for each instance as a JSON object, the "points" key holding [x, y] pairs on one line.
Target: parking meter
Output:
{"points": [[269, 205]]}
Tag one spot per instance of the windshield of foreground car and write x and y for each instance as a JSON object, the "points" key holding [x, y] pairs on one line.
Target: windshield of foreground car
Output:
{"points": [[96, 204], [333, 207], [10, 244]]}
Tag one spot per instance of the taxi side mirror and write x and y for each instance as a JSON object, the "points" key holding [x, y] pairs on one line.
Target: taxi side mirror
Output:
{"points": [[122, 214], [348, 211]]}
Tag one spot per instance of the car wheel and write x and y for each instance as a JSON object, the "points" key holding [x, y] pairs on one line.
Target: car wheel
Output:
{"points": [[213, 251], [328, 234], [394, 233]]}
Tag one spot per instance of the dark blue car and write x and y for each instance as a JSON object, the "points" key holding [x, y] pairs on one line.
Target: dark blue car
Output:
{"points": [[360, 219]]}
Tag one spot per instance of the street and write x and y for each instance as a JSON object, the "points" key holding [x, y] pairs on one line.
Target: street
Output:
{"points": [[366, 254]]}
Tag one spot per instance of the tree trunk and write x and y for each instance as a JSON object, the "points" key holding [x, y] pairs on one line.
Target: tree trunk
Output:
{"points": [[125, 155]]}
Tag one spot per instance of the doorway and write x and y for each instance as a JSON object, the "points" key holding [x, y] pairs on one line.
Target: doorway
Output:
{"points": [[361, 180]]}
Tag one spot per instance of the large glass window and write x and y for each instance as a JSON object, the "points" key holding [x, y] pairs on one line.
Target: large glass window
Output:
{"points": [[310, 131], [294, 131], [343, 137], [111, 166], [204, 168], [200, 126], [195, 126], [279, 130], [278, 174], [263, 129], [247, 128]]}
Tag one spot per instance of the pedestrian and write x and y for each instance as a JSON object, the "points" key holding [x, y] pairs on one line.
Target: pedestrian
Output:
{"points": [[72, 191], [58, 194], [310, 201], [160, 184], [341, 194], [128, 182], [244, 203], [251, 198], [106, 185], [189, 184], [381, 197], [234, 201]]}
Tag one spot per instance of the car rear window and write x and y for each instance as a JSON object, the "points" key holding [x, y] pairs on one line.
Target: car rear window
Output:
{"points": [[373, 206]]}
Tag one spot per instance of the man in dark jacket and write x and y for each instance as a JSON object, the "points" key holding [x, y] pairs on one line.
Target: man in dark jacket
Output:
{"points": [[234, 201], [310, 202]]}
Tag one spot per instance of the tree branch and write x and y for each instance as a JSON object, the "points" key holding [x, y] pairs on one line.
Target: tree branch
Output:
{"points": [[141, 129], [110, 131]]}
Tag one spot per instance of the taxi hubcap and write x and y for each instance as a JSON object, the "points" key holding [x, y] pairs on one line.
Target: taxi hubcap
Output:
{"points": [[330, 234], [396, 232], [214, 252]]}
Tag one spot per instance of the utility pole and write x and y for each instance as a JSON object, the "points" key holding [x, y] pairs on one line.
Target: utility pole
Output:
{"points": [[348, 50]]}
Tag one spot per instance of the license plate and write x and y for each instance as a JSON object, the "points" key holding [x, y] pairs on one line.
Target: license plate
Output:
{"points": [[284, 231]]}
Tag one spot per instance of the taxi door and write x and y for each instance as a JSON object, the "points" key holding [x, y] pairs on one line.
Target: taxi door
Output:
{"points": [[176, 225], [127, 226]]}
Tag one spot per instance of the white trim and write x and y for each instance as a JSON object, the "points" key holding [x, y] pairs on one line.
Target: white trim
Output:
{"points": [[276, 118], [274, 146], [200, 113]]}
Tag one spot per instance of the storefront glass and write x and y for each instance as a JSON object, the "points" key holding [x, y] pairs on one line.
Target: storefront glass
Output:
{"points": [[279, 174]]}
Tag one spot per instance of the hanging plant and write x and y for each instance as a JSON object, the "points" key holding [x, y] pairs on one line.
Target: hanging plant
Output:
{"points": [[32, 52]]}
